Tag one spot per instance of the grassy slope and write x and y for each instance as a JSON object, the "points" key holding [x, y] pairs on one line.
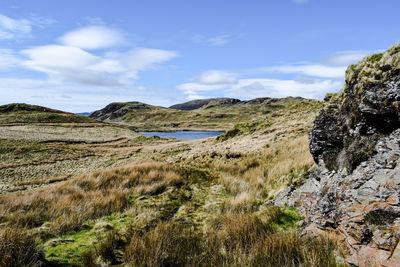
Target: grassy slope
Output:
{"points": [[207, 206], [213, 116], [24, 113]]}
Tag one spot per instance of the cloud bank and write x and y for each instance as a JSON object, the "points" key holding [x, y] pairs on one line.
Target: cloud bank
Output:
{"points": [[93, 37], [306, 80], [73, 60]]}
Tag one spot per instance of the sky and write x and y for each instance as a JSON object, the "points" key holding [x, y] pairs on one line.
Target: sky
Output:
{"points": [[79, 56]]}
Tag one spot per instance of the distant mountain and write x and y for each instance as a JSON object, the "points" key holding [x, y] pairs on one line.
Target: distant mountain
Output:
{"points": [[198, 103], [116, 110], [25, 113]]}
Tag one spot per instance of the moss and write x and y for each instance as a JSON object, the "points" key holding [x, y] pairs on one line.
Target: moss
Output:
{"points": [[375, 57], [69, 253], [330, 97]]}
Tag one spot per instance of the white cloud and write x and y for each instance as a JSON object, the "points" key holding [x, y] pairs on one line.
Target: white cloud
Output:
{"points": [[307, 80], [8, 59], [93, 37], [219, 40], [49, 58], [261, 87], [14, 28], [345, 58], [315, 70], [190, 88], [251, 88], [195, 96], [77, 65], [216, 77], [144, 59]]}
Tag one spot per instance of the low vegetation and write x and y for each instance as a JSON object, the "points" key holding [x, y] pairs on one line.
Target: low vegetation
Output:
{"points": [[24, 113], [68, 205], [18, 248], [241, 240], [98, 195], [216, 115]]}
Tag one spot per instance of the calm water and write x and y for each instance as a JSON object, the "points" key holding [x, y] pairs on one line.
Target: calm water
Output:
{"points": [[183, 134]]}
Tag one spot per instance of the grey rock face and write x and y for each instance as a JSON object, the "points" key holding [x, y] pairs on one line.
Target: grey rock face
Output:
{"points": [[346, 131], [354, 193], [362, 208]]}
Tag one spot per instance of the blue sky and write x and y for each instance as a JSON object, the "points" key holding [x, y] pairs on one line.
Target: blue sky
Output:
{"points": [[81, 55]]}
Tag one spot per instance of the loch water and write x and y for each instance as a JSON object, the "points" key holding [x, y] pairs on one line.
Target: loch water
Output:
{"points": [[184, 134]]}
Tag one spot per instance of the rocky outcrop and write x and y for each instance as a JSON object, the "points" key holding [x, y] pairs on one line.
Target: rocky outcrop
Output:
{"points": [[117, 110], [367, 108], [354, 193]]}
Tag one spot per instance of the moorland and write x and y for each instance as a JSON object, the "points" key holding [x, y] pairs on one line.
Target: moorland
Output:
{"points": [[290, 182], [80, 191]]}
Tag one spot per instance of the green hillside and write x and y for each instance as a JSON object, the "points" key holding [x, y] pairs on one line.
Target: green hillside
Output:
{"points": [[218, 114], [24, 113]]}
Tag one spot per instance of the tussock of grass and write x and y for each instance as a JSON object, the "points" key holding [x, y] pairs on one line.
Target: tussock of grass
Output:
{"points": [[263, 174], [165, 245], [241, 240], [86, 197], [18, 248]]}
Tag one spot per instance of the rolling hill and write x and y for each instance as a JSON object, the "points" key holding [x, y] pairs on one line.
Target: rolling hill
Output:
{"points": [[25, 113], [208, 114]]}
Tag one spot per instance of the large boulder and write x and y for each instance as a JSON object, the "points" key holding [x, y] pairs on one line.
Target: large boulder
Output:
{"points": [[367, 108]]}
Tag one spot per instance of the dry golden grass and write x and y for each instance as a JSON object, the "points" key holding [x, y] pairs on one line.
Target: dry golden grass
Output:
{"points": [[165, 245], [234, 240], [18, 248], [86, 196], [263, 174]]}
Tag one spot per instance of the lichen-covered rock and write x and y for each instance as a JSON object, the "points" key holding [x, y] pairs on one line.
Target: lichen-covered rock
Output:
{"points": [[361, 208], [354, 193], [346, 131]]}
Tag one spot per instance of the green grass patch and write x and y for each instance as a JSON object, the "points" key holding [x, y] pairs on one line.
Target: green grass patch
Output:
{"points": [[68, 248], [282, 218]]}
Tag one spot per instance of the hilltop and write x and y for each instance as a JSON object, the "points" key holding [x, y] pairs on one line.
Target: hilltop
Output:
{"points": [[210, 114], [198, 103], [25, 113], [116, 111]]}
